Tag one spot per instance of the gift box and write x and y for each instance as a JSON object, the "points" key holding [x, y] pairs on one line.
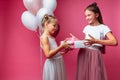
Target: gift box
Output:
{"points": [[76, 43], [80, 44]]}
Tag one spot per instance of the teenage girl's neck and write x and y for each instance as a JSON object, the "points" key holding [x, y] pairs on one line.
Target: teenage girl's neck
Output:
{"points": [[95, 24]]}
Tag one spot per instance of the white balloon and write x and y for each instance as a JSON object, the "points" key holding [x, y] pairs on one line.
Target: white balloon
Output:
{"points": [[50, 4], [40, 15], [32, 5], [29, 20]]}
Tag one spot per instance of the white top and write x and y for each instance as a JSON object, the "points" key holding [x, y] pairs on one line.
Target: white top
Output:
{"points": [[98, 32]]}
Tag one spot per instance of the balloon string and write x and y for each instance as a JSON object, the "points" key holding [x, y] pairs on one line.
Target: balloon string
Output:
{"points": [[38, 35]]}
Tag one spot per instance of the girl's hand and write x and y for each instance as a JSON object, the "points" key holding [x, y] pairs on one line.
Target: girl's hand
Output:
{"points": [[90, 41], [66, 45]]}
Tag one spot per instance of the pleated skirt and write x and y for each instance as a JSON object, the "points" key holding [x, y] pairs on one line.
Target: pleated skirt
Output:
{"points": [[90, 65]]}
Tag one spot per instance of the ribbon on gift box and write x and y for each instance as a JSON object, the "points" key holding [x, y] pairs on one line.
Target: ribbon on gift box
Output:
{"points": [[77, 43], [72, 39]]}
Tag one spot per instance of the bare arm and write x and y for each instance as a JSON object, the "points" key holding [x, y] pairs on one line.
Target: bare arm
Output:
{"points": [[46, 47], [111, 40]]}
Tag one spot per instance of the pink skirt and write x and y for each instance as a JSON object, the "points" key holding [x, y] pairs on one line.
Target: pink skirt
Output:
{"points": [[90, 65]]}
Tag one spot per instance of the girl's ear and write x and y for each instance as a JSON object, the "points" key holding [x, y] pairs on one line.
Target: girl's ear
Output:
{"points": [[97, 15], [46, 24]]}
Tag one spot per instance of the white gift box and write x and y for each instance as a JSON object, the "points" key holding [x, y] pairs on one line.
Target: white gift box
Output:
{"points": [[79, 44], [76, 43]]}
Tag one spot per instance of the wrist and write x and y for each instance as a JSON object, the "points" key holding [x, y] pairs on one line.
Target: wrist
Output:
{"points": [[61, 46], [95, 41]]}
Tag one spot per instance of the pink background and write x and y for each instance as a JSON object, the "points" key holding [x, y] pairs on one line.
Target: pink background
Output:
{"points": [[20, 50]]}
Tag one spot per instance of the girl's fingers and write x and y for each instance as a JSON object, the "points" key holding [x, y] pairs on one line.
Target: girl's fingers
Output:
{"points": [[72, 35], [91, 36]]}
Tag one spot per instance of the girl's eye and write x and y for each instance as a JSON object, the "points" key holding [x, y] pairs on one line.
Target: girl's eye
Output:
{"points": [[88, 15], [54, 25]]}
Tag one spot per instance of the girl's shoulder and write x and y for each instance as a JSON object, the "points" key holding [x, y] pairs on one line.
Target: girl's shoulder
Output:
{"points": [[103, 25], [46, 38], [43, 37], [100, 26]]}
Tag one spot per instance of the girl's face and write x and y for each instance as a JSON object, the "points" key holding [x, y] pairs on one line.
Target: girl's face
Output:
{"points": [[91, 17], [52, 26]]}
